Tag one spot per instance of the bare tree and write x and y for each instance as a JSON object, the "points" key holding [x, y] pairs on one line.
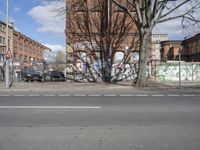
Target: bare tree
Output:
{"points": [[146, 14], [60, 57], [99, 29]]}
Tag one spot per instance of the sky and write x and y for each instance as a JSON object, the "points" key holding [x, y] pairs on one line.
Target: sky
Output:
{"points": [[37, 20], [40, 21]]}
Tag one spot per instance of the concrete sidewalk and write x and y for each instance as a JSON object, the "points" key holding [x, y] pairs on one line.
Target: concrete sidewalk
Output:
{"points": [[60, 86], [71, 86]]}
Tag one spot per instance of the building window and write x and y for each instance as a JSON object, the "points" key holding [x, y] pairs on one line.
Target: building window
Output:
{"points": [[9, 42], [1, 39], [2, 28]]}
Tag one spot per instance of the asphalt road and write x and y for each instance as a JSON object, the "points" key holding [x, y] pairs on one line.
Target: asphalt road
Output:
{"points": [[146, 120]]}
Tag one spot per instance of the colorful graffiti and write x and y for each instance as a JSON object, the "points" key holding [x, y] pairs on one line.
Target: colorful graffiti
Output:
{"points": [[170, 72]]}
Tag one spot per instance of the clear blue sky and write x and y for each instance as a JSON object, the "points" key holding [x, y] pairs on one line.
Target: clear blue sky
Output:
{"points": [[37, 20]]}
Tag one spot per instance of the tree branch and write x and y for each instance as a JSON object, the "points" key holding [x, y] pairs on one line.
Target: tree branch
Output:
{"points": [[127, 11], [182, 15], [175, 8]]}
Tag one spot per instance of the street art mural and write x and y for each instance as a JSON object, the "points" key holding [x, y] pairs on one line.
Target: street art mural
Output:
{"points": [[170, 72], [125, 71]]}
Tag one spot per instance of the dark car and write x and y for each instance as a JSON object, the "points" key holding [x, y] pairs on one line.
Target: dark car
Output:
{"points": [[54, 76], [31, 75]]}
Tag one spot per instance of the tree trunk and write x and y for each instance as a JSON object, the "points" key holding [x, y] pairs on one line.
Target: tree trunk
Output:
{"points": [[142, 68]]}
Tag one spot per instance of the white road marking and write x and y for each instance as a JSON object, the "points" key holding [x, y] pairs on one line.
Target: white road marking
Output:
{"points": [[48, 95], [98, 95], [94, 95], [34, 95], [18, 95], [189, 95], [158, 95], [110, 95], [50, 107], [141, 95], [173, 95], [79, 95], [128, 95], [63, 95]]}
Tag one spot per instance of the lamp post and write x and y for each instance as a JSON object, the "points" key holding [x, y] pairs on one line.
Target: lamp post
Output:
{"points": [[7, 80]]}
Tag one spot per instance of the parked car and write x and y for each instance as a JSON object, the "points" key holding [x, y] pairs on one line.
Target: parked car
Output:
{"points": [[54, 76], [31, 75]]}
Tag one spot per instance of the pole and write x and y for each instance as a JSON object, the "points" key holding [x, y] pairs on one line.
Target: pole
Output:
{"points": [[7, 80], [155, 71], [180, 68]]}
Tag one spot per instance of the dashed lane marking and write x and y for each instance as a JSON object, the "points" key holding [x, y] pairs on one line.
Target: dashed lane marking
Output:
{"points": [[64, 95], [94, 95], [173, 95], [49, 95], [140, 95], [20, 95], [79, 95], [98, 95], [126, 95], [34, 95], [158, 95], [191, 95], [110, 95]]}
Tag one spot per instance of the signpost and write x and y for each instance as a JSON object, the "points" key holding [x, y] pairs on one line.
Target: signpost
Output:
{"points": [[7, 79]]}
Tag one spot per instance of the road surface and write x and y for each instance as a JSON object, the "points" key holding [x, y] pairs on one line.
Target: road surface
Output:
{"points": [[110, 120]]}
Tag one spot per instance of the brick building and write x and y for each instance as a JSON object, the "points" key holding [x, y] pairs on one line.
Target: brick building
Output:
{"points": [[23, 48], [156, 46], [3, 40], [170, 49], [26, 49], [96, 22], [191, 49]]}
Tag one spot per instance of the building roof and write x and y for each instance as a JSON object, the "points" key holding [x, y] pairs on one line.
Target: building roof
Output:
{"points": [[192, 38], [11, 26], [170, 41], [159, 34]]}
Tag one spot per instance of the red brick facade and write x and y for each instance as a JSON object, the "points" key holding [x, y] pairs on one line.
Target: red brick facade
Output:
{"points": [[170, 50], [26, 49], [191, 49]]}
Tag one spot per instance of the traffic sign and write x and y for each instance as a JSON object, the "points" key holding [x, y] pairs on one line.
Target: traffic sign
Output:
{"points": [[9, 54]]}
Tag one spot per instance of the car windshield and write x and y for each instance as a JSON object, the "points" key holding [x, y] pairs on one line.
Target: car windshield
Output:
{"points": [[31, 71]]}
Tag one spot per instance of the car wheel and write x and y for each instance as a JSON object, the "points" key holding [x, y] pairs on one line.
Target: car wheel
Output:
{"points": [[26, 80]]}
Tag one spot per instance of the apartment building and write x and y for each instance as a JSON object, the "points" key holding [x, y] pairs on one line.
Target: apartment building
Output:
{"points": [[191, 49], [3, 40], [170, 50], [26, 49], [156, 46], [23, 48]]}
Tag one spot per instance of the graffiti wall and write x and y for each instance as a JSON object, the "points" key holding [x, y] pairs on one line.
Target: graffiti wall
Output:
{"points": [[170, 72]]}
